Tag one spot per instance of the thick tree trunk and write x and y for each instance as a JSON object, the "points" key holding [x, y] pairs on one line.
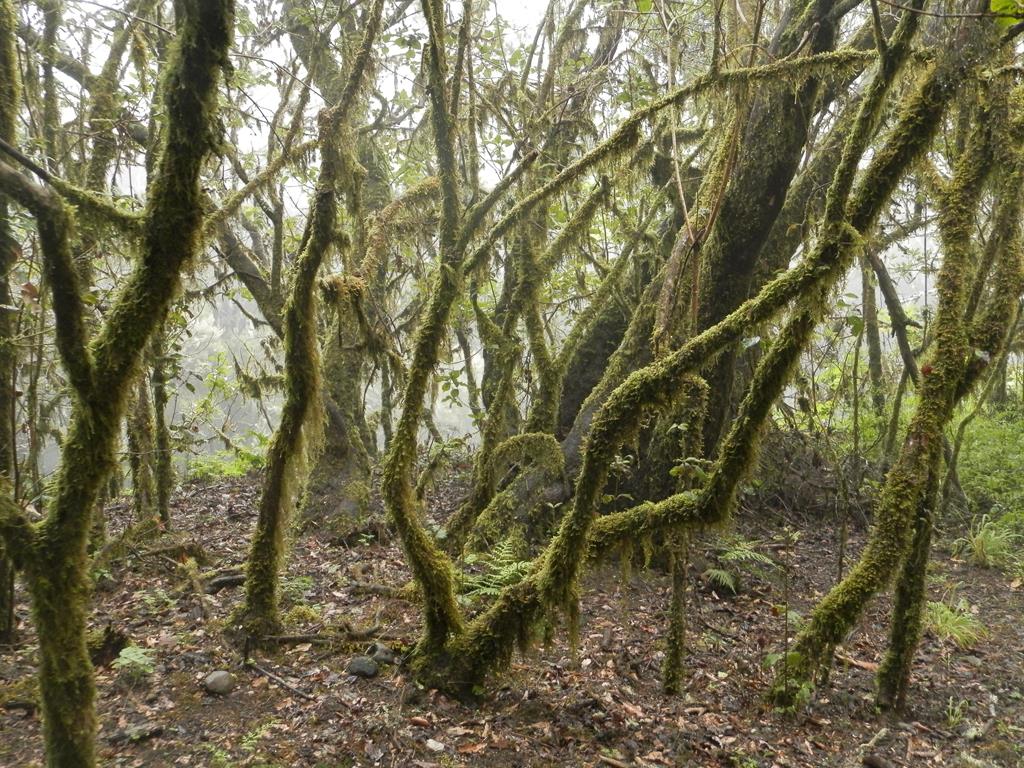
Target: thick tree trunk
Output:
{"points": [[908, 609], [772, 146], [338, 493]]}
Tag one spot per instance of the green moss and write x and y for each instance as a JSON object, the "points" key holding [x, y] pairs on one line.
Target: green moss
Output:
{"points": [[298, 433], [56, 564], [905, 488]]}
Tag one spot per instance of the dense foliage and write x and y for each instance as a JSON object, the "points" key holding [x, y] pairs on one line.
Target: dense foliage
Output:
{"points": [[597, 261]]}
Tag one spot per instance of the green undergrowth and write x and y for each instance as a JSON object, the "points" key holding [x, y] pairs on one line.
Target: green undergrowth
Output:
{"points": [[225, 464], [990, 466], [953, 620]]}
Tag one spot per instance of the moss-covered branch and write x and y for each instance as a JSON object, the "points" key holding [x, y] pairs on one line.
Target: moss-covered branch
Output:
{"points": [[904, 490], [54, 224], [300, 417], [270, 173]]}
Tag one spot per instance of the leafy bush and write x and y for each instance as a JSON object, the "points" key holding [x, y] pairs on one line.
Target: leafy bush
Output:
{"points": [[222, 464], [990, 462]]}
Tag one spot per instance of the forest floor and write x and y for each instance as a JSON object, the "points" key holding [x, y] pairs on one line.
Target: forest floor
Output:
{"points": [[601, 706]]}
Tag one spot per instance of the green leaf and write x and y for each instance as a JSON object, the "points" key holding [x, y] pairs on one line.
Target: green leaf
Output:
{"points": [[1011, 11], [644, 6]]}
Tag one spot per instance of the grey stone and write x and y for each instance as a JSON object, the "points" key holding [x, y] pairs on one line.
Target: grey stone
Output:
{"points": [[381, 654], [362, 666], [219, 682]]}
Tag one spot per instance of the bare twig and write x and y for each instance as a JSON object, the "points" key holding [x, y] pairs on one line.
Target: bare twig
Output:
{"points": [[279, 680]]}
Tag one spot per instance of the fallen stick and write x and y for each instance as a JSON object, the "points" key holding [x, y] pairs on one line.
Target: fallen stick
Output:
{"points": [[279, 680], [870, 666]]}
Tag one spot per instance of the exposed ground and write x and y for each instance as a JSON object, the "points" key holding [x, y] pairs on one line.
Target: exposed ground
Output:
{"points": [[601, 706]]}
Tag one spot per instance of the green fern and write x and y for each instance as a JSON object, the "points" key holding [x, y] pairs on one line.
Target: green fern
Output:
{"points": [[735, 556], [744, 551], [502, 567], [721, 578]]}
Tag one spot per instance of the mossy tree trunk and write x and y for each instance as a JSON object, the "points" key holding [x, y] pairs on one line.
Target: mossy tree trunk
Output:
{"points": [[100, 371], [301, 420], [164, 457], [10, 82], [869, 313], [772, 145], [339, 489], [141, 443], [906, 486], [340, 476]]}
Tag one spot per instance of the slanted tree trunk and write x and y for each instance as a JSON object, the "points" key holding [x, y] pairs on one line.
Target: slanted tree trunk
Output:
{"points": [[100, 372]]}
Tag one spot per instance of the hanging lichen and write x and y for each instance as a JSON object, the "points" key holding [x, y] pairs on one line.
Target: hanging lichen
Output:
{"points": [[298, 432]]}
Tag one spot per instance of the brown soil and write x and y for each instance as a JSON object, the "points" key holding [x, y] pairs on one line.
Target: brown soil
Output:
{"points": [[599, 706]]}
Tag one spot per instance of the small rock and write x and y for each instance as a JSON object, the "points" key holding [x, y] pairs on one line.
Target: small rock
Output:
{"points": [[381, 654], [219, 682], [435, 746], [974, 661], [974, 733], [362, 666]]}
